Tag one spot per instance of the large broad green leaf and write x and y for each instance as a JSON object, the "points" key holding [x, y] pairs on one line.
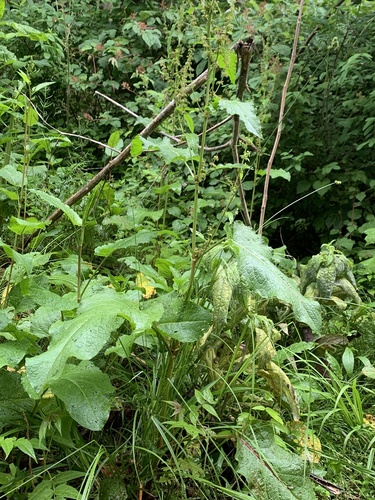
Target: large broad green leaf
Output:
{"points": [[183, 320], [370, 236], [45, 297], [246, 112], [12, 176], [259, 275], [85, 391], [14, 401], [42, 319], [57, 203], [28, 226], [6, 317], [85, 335], [272, 472], [11, 353], [27, 261]]}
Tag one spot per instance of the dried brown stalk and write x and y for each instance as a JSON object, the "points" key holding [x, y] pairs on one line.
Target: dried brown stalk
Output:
{"points": [[281, 118]]}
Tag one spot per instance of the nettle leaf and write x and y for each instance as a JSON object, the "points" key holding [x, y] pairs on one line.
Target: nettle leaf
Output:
{"points": [[183, 320], [30, 116], [42, 86], [115, 144], [189, 122], [12, 195], [246, 112], [85, 391], [85, 335], [26, 31], [74, 218], [276, 172], [136, 147], [273, 472], [259, 275]]}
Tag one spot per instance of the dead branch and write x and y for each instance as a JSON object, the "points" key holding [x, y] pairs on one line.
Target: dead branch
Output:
{"points": [[69, 134], [125, 153], [130, 112]]}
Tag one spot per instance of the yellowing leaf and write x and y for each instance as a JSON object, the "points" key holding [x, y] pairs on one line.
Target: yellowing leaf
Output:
{"points": [[281, 386], [5, 294], [20, 371], [48, 394], [307, 440], [369, 420], [143, 282]]}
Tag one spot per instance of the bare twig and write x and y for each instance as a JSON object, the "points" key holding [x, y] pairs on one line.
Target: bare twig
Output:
{"points": [[124, 108], [217, 125], [69, 134], [217, 148], [127, 110], [281, 117], [214, 127]]}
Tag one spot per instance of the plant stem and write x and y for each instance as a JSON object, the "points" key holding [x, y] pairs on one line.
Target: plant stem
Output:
{"points": [[281, 117], [198, 173]]}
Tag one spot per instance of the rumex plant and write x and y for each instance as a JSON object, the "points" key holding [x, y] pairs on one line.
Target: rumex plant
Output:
{"points": [[142, 338]]}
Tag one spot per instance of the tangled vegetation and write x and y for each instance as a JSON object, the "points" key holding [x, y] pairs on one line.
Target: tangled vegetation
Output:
{"points": [[187, 250]]}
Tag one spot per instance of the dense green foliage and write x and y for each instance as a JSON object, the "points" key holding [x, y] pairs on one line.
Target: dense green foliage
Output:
{"points": [[152, 345]]}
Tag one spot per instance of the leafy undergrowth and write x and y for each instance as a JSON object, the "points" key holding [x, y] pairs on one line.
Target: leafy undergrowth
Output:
{"points": [[115, 387], [152, 345]]}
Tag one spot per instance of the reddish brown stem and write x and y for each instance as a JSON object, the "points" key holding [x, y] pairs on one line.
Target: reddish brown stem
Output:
{"points": [[281, 118]]}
